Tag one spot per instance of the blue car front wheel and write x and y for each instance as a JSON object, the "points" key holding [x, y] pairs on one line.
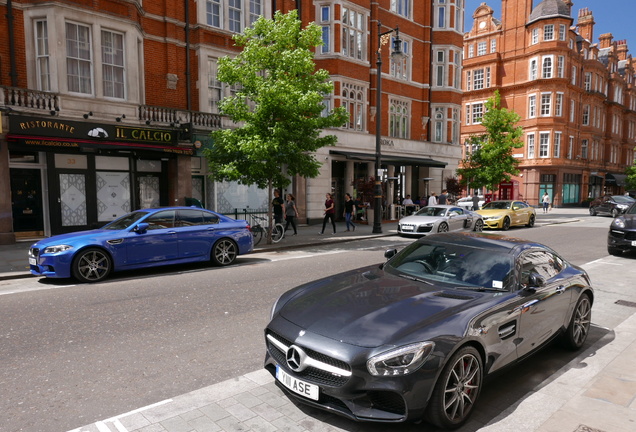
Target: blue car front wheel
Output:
{"points": [[91, 265]]}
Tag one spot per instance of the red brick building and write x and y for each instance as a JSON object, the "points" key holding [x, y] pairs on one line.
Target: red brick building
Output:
{"points": [[576, 98], [106, 105]]}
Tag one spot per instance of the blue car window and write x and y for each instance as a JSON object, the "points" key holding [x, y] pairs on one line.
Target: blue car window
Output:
{"points": [[125, 221], [210, 218], [189, 218], [161, 220]]}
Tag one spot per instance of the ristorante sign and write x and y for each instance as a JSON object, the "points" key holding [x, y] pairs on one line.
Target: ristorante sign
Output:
{"points": [[60, 133]]}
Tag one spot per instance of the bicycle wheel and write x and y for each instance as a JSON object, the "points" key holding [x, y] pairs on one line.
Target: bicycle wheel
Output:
{"points": [[257, 232], [278, 233]]}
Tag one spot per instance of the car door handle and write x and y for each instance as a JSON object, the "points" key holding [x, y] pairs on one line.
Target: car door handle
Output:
{"points": [[172, 232]]}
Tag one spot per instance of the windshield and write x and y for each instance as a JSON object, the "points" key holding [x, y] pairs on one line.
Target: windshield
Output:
{"points": [[623, 199], [431, 211], [462, 266], [497, 205], [125, 221]]}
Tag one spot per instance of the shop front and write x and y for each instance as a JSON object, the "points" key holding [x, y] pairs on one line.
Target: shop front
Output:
{"points": [[68, 175]]}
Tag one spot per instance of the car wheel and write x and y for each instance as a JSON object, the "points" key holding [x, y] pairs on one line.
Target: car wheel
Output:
{"points": [[506, 224], [530, 223], [456, 390], [479, 225], [615, 213], [592, 211], [577, 331], [91, 265], [443, 227], [224, 252], [614, 251]]}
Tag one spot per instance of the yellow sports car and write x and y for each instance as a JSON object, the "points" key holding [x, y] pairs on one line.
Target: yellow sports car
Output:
{"points": [[504, 214]]}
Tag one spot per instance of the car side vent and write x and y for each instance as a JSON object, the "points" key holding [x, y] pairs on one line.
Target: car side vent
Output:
{"points": [[115, 242], [369, 275], [452, 296]]}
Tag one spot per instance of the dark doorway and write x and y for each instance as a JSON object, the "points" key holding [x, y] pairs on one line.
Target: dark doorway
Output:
{"points": [[26, 200]]}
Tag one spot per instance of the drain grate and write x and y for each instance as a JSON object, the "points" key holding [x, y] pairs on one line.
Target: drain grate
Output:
{"points": [[583, 428], [626, 303]]}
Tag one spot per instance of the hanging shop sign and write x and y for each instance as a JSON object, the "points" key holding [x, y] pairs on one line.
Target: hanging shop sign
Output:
{"points": [[39, 131]]}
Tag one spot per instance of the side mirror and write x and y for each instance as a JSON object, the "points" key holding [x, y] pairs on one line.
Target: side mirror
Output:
{"points": [[390, 253], [141, 227], [535, 281]]}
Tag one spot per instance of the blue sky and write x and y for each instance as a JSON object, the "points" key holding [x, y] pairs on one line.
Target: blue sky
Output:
{"points": [[611, 16]]}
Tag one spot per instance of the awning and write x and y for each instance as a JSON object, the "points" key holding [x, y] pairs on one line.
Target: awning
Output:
{"points": [[615, 179], [391, 159]]}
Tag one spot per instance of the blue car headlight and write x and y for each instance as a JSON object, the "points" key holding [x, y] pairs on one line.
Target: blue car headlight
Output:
{"points": [[56, 249], [400, 361]]}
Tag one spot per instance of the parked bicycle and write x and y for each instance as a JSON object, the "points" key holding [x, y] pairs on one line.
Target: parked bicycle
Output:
{"points": [[260, 229]]}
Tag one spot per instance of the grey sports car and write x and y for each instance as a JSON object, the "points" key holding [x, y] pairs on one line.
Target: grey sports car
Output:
{"points": [[440, 218], [417, 336]]}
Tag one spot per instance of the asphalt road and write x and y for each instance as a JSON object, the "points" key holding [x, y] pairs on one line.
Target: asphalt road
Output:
{"points": [[74, 354]]}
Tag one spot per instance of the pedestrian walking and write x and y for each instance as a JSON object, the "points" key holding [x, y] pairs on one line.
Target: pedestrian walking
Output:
{"points": [[442, 197], [546, 202], [330, 212], [475, 201], [432, 200], [291, 213], [277, 203], [349, 212]]}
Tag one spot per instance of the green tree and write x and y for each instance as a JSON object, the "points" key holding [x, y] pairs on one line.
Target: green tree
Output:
{"points": [[278, 106], [630, 181], [492, 161]]}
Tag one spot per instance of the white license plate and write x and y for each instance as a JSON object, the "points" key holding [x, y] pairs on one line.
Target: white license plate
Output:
{"points": [[33, 261], [302, 388], [407, 228], [634, 243]]}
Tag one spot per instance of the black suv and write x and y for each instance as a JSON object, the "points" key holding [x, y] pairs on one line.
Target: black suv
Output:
{"points": [[612, 205]]}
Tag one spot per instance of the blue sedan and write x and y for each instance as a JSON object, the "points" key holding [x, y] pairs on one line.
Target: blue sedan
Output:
{"points": [[143, 238]]}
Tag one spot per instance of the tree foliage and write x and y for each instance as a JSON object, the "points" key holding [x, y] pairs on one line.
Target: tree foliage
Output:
{"points": [[277, 107], [492, 161], [630, 181]]}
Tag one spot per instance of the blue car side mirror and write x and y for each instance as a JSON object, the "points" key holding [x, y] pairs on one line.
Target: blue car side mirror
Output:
{"points": [[141, 227]]}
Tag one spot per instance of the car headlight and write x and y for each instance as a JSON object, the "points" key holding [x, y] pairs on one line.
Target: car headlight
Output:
{"points": [[622, 206], [492, 217], [56, 249], [400, 361], [619, 222]]}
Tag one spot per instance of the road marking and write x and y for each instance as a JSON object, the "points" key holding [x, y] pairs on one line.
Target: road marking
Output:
{"points": [[102, 427]]}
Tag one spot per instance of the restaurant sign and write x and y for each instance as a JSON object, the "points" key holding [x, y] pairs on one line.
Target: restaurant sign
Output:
{"points": [[39, 132]]}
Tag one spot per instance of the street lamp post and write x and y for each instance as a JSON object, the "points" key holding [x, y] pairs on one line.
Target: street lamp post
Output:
{"points": [[383, 39]]}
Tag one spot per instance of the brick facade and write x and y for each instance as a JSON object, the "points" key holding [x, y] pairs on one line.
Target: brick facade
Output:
{"points": [[576, 98]]}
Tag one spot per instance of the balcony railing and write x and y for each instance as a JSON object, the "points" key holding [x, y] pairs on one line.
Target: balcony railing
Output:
{"points": [[29, 99], [173, 116], [36, 100]]}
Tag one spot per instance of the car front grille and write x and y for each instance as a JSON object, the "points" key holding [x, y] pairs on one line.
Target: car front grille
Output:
{"points": [[311, 374], [623, 235]]}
